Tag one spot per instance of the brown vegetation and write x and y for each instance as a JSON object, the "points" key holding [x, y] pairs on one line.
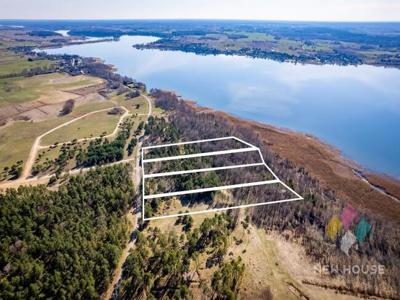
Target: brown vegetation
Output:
{"points": [[325, 164], [327, 183], [389, 184]]}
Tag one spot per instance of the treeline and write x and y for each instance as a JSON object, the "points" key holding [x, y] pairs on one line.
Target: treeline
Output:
{"points": [[32, 71], [13, 172], [158, 129], [346, 44], [44, 33], [333, 57], [164, 265], [196, 162], [306, 220], [64, 244]]}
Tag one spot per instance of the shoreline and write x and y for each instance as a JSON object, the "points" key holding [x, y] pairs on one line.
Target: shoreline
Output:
{"points": [[292, 61], [358, 166], [323, 161], [364, 189]]}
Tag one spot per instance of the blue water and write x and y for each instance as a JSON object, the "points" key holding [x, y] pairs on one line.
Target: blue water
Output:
{"points": [[356, 109]]}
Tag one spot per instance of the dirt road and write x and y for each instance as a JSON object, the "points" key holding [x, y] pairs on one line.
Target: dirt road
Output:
{"points": [[134, 219], [150, 105], [134, 223], [36, 144]]}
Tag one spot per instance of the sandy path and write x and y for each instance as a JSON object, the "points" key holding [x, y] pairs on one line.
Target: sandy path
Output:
{"points": [[36, 144], [150, 106], [133, 221], [134, 224], [112, 134], [133, 218]]}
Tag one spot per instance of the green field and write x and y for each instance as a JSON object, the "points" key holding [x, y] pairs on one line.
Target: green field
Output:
{"points": [[258, 36], [17, 138], [52, 153], [90, 126], [49, 87], [12, 63], [141, 101], [16, 67], [130, 104], [49, 153], [47, 157]]}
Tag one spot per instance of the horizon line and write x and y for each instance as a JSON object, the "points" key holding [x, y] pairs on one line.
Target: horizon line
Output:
{"points": [[198, 19]]}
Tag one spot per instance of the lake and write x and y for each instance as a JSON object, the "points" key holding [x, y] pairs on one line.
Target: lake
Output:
{"points": [[356, 109]]}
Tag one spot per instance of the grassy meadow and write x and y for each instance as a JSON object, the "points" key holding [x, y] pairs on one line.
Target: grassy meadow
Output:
{"points": [[101, 123]]}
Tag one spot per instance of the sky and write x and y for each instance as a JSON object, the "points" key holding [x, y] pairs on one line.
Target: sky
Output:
{"points": [[305, 10]]}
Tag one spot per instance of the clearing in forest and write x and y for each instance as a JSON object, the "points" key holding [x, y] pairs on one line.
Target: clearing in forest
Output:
{"points": [[207, 175]]}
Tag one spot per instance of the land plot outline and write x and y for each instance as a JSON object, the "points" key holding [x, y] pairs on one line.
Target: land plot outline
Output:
{"points": [[245, 147]]}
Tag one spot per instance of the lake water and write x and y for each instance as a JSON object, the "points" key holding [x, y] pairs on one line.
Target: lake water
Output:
{"points": [[356, 109]]}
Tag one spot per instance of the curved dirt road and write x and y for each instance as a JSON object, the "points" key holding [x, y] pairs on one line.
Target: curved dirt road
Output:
{"points": [[36, 144], [24, 180]]}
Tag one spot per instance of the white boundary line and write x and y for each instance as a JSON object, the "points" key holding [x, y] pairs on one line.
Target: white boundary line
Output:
{"points": [[246, 143], [211, 189], [212, 153], [201, 170], [171, 194], [191, 142], [141, 158], [222, 209]]}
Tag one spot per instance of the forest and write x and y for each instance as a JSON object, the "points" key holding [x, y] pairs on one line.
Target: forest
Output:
{"points": [[305, 220], [101, 151], [64, 244], [160, 265]]}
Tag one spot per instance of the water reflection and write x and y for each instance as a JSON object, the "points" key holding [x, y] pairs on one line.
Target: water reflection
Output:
{"points": [[356, 109]]}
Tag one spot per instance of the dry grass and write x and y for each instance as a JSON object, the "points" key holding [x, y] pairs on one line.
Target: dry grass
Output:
{"points": [[327, 165], [131, 104], [48, 88], [89, 126]]}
